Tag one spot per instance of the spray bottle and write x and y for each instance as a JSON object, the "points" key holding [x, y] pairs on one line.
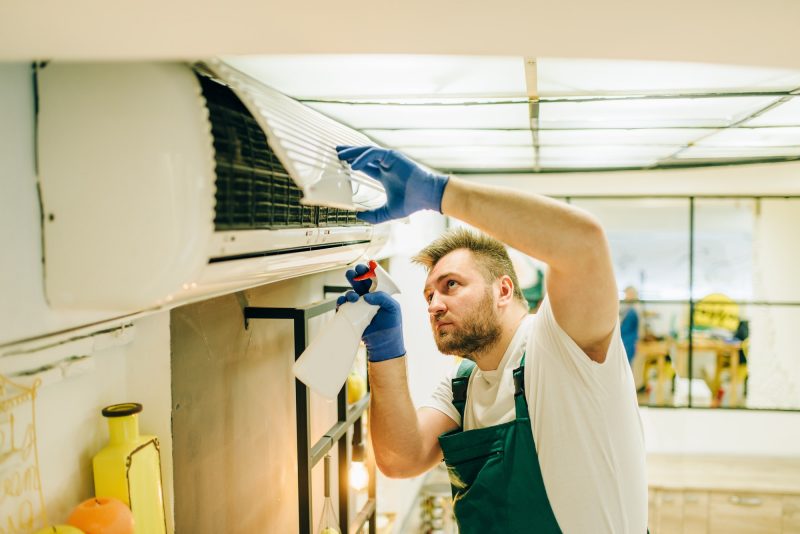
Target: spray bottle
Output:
{"points": [[326, 362]]}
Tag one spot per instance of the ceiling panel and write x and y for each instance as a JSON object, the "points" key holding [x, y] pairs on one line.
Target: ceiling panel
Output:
{"points": [[398, 138], [753, 137], [585, 163], [472, 152], [607, 153], [652, 113], [644, 136], [471, 113], [370, 116], [581, 77], [786, 114], [717, 152], [482, 163], [387, 76]]}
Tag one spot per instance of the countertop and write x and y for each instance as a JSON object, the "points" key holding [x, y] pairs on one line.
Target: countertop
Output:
{"points": [[724, 473]]}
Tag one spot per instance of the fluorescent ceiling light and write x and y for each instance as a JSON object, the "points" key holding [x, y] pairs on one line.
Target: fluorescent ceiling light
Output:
{"points": [[753, 137], [470, 152], [483, 163], [404, 138], [609, 153], [575, 77], [657, 113], [786, 114], [387, 76], [370, 116], [717, 152], [677, 137], [436, 108], [595, 164]]}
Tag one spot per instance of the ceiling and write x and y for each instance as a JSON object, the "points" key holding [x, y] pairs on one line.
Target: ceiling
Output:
{"points": [[506, 114]]}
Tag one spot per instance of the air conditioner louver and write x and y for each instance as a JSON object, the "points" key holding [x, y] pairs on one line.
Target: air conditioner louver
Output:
{"points": [[254, 190], [304, 141]]}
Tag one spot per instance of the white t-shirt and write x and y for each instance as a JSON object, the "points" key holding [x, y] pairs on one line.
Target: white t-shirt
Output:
{"points": [[585, 421]]}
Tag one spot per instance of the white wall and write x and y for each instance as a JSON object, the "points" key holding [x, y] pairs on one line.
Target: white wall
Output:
{"points": [[69, 426], [23, 311], [734, 432], [70, 429]]}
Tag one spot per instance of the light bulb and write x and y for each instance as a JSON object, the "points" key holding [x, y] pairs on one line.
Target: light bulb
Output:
{"points": [[359, 477]]}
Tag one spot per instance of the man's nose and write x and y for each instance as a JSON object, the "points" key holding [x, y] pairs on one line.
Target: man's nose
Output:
{"points": [[436, 306]]}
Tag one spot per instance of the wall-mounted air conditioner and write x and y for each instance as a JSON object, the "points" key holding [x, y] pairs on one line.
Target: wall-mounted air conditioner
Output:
{"points": [[165, 182]]}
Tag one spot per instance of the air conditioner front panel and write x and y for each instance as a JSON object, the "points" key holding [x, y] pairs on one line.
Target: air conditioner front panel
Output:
{"points": [[344, 235], [225, 276], [159, 187], [235, 244], [127, 179], [305, 142]]}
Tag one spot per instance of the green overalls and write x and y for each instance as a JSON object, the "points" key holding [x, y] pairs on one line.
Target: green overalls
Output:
{"points": [[494, 471]]}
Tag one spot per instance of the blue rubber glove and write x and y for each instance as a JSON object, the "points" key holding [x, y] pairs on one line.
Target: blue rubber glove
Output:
{"points": [[409, 187], [363, 286], [359, 288], [384, 335]]}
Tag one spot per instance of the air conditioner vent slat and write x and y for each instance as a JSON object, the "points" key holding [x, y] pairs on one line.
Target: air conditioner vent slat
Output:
{"points": [[254, 190], [304, 140]]}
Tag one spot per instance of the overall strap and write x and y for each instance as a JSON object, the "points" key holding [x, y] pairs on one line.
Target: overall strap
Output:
{"points": [[520, 404], [460, 383]]}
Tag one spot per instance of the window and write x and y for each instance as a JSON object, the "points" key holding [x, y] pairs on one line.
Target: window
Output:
{"points": [[724, 270]]}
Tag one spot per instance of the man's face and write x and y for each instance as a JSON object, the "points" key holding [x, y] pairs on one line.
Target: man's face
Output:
{"points": [[631, 295], [461, 305]]}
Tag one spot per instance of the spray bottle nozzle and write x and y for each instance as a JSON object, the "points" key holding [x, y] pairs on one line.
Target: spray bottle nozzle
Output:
{"points": [[378, 277]]}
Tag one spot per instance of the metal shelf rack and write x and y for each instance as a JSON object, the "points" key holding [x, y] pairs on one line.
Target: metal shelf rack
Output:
{"points": [[308, 454]]}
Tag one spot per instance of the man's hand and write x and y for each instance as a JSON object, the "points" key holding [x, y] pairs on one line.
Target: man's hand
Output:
{"points": [[360, 287], [384, 335], [409, 187]]}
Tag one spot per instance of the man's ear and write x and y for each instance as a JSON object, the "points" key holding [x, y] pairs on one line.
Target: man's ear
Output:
{"points": [[505, 290]]}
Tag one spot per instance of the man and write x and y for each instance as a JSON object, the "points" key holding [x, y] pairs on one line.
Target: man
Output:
{"points": [[629, 322], [542, 433]]}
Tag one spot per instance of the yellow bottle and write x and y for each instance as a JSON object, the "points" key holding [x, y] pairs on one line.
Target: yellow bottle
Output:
{"points": [[129, 468]]}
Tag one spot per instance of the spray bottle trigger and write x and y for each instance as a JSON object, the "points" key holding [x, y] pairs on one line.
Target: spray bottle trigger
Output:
{"points": [[369, 274]]}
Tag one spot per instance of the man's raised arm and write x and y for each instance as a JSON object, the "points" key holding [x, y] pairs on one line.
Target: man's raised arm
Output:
{"points": [[580, 282], [581, 285]]}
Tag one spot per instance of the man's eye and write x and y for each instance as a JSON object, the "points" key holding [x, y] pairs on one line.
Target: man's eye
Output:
{"points": [[451, 283]]}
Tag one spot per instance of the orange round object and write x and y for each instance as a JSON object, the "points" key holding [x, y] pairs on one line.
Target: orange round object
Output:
{"points": [[102, 515]]}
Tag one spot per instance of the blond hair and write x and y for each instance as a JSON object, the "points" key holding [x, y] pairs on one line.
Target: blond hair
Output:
{"points": [[490, 255]]}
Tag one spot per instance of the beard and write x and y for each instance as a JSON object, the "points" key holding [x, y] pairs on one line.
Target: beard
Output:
{"points": [[480, 330]]}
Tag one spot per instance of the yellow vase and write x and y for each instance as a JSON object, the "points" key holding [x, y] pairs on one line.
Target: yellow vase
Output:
{"points": [[129, 469]]}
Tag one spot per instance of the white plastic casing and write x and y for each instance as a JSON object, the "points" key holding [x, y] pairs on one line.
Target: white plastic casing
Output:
{"points": [[127, 179]]}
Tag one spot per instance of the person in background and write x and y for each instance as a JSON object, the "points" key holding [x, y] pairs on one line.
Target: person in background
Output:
{"points": [[539, 426], [629, 322]]}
